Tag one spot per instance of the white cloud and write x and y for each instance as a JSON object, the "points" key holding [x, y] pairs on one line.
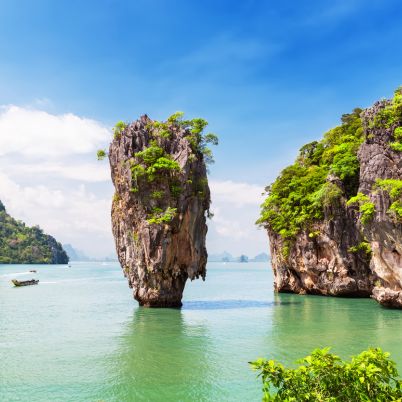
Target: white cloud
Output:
{"points": [[37, 133], [236, 207], [88, 172], [67, 215], [47, 167], [237, 193]]}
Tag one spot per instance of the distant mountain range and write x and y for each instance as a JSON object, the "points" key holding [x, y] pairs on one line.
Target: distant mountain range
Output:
{"points": [[78, 255], [227, 257]]}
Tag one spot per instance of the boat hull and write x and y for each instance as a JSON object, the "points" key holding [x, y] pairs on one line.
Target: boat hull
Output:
{"points": [[25, 283]]}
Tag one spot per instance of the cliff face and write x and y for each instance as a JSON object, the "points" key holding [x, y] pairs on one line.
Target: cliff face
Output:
{"points": [[159, 207], [20, 244], [380, 162], [350, 240], [319, 260]]}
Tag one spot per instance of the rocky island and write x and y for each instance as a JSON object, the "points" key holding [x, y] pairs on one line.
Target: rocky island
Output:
{"points": [[334, 217], [160, 205], [20, 244]]}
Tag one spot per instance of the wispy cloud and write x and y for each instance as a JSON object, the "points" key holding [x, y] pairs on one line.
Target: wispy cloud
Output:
{"points": [[236, 207], [236, 193], [47, 163]]}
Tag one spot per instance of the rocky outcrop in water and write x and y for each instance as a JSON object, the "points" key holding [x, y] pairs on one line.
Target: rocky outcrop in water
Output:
{"points": [[160, 205], [319, 260], [380, 158], [342, 235]]}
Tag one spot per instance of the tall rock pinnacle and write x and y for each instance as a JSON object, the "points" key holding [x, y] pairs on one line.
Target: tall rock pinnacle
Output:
{"points": [[160, 205]]}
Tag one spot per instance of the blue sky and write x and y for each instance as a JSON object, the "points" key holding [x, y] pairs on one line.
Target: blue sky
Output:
{"points": [[269, 76]]}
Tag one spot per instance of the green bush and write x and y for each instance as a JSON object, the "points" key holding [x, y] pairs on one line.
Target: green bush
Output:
{"points": [[159, 216], [363, 246], [101, 154], [119, 128], [394, 188], [324, 377], [391, 114], [366, 207]]}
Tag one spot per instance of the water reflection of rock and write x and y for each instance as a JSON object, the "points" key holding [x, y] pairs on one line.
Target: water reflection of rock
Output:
{"points": [[162, 357], [303, 323]]}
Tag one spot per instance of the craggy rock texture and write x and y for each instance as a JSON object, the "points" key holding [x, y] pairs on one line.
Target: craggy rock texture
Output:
{"points": [[384, 232], [323, 264], [158, 258]]}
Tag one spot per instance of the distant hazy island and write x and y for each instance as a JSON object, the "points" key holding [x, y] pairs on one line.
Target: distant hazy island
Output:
{"points": [[227, 257], [20, 244]]}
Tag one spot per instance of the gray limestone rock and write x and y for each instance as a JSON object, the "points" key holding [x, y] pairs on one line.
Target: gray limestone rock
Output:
{"points": [[159, 218]]}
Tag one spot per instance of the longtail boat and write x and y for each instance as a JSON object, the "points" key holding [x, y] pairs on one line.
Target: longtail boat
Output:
{"points": [[25, 283]]}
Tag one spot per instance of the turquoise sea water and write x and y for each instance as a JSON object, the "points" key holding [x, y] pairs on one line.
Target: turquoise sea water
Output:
{"points": [[79, 335]]}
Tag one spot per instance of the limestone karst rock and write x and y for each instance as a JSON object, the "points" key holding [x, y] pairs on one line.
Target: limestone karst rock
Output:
{"points": [[334, 218], [160, 205], [380, 160]]}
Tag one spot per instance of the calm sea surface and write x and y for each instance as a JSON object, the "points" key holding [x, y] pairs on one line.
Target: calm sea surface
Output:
{"points": [[79, 335]]}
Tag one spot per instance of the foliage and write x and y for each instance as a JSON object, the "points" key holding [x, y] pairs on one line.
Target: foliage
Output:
{"points": [[394, 188], [152, 162], [157, 194], [119, 128], [101, 154], [391, 114], [396, 146], [324, 377], [366, 207], [20, 244], [197, 138], [363, 246], [159, 216], [298, 196]]}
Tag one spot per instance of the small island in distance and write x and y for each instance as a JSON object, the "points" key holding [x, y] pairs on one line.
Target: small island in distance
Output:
{"points": [[227, 257]]}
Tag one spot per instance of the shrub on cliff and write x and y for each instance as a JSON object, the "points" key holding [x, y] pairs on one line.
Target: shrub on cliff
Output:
{"points": [[323, 376]]}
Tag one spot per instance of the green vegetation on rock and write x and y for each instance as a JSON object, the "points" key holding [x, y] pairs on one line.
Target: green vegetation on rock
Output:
{"points": [[298, 196], [391, 114], [324, 377], [118, 129], [20, 244], [155, 169], [159, 216], [198, 140], [394, 188], [101, 154], [366, 207], [363, 246], [152, 162]]}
